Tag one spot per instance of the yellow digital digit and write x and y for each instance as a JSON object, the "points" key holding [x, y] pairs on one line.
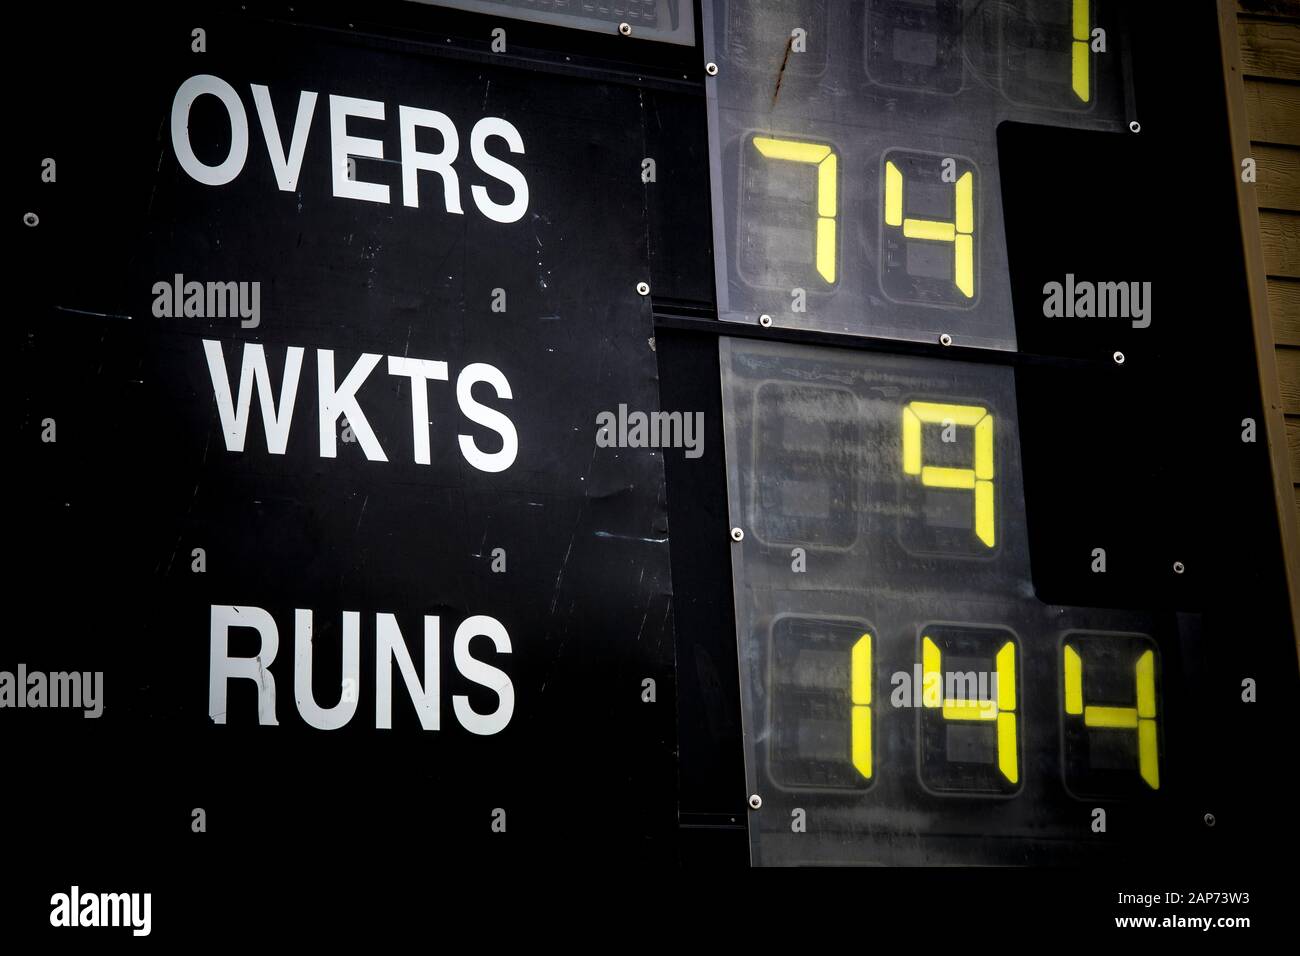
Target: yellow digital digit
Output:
{"points": [[1140, 718], [1080, 52], [999, 707], [977, 479], [823, 157], [960, 232], [820, 679], [861, 692]]}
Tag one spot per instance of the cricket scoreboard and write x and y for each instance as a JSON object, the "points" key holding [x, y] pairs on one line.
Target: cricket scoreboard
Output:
{"points": [[800, 432], [927, 673]]}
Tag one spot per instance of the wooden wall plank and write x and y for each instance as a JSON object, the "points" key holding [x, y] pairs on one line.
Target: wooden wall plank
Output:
{"points": [[1288, 373], [1267, 111], [1277, 170], [1284, 9], [1269, 49], [1293, 443], [1273, 112], [1284, 307], [1280, 233]]}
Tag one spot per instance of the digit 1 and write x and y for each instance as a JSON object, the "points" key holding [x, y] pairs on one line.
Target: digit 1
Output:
{"points": [[978, 479], [1080, 53], [827, 163], [860, 673]]}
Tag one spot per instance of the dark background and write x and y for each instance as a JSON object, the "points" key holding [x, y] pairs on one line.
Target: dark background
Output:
{"points": [[105, 518]]}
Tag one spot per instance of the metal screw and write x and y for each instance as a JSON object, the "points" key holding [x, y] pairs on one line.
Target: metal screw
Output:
{"points": [[1209, 819], [945, 339], [755, 801], [31, 219], [765, 320], [1178, 567], [1119, 358], [643, 288], [625, 29], [1135, 127], [711, 69], [737, 534]]}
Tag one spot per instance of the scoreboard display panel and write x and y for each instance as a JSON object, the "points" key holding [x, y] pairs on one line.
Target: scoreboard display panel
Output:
{"points": [[856, 182], [909, 664], [638, 434], [988, 584]]}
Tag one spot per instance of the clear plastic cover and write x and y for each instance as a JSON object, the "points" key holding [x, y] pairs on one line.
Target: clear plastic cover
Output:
{"points": [[854, 154], [905, 696]]}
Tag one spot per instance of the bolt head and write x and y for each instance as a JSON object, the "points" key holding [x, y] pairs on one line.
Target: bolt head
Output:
{"points": [[1135, 127], [1179, 568], [945, 339], [1209, 819], [765, 320], [643, 288], [711, 69], [625, 29], [755, 802], [31, 219], [737, 534], [1119, 358]]}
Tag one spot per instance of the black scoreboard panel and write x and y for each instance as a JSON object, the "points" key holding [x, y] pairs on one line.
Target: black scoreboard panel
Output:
{"points": [[984, 594], [336, 637], [907, 658], [856, 185], [668, 21]]}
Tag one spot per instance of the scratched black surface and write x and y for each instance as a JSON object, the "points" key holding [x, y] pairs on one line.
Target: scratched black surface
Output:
{"points": [[102, 522], [140, 475]]}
